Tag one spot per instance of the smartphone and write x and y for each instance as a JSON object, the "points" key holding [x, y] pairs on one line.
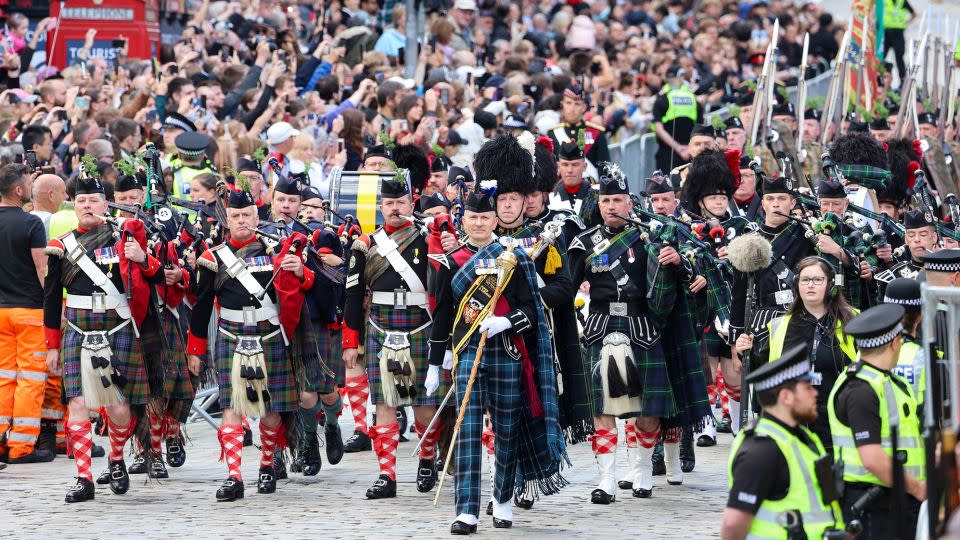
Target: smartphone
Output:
{"points": [[172, 70], [595, 68], [312, 118], [82, 102], [31, 159], [225, 53], [62, 115], [339, 145], [151, 116], [400, 54], [404, 125], [378, 76], [203, 102], [156, 68], [196, 102], [470, 78], [445, 96], [118, 43]]}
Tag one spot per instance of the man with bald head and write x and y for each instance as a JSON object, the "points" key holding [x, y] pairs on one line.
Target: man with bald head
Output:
{"points": [[49, 193]]}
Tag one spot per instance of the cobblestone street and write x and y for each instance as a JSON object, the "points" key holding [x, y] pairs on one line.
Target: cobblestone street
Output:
{"points": [[332, 504]]}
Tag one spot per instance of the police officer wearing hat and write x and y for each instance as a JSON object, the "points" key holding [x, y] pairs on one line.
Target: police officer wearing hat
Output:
{"points": [[868, 400], [781, 482], [911, 364], [190, 162]]}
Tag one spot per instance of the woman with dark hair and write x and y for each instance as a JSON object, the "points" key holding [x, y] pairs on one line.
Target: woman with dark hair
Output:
{"points": [[816, 317], [352, 135]]}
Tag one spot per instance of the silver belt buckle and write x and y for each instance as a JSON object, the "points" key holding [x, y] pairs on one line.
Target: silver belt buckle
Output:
{"points": [[98, 302], [618, 309], [396, 341], [784, 297], [249, 316], [94, 341], [399, 299], [249, 345]]}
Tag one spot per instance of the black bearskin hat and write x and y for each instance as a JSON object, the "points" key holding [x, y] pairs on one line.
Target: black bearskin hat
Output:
{"points": [[859, 149], [546, 169], [414, 159], [708, 174], [503, 159], [899, 153]]}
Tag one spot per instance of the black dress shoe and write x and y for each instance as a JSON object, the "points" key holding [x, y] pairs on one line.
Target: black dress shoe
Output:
{"points": [[157, 468], [176, 453], [641, 493], [705, 440], [279, 466], [502, 523], [625, 484], [426, 475], [459, 527], [104, 478], [358, 442], [526, 504], [139, 464], [311, 455], [490, 508], [334, 442], [659, 467], [688, 458], [599, 496], [83, 491], [97, 451], [39, 455], [725, 425], [267, 483], [231, 490], [247, 437], [384, 488], [119, 479]]}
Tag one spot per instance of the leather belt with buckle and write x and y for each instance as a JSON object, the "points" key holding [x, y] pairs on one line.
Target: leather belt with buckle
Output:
{"points": [[616, 309]]}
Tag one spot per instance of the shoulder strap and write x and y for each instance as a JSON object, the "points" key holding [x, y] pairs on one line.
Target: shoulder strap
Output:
{"points": [[387, 249], [237, 269], [560, 133], [77, 254]]}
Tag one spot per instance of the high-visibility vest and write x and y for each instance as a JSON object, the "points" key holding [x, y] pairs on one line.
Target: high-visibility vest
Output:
{"points": [[682, 103], [912, 368], [804, 495], [62, 222], [897, 407], [184, 174], [895, 15], [778, 332]]}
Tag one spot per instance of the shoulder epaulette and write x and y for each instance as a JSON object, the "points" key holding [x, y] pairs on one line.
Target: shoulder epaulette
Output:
{"points": [[208, 260], [597, 127], [55, 247], [361, 244]]}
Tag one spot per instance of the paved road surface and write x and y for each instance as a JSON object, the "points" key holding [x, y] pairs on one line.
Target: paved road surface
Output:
{"points": [[332, 505]]}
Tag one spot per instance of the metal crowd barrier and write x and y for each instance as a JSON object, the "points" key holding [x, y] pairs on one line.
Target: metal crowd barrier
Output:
{"points": [[637, 154]]}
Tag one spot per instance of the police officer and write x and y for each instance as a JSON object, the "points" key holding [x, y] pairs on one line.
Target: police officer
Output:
{"points": [[911, 364], [773, 469], [675, 112], [191, 161], [866, 401]]}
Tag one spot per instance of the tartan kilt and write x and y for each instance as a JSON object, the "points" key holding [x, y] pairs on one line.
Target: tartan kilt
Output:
{"points": [[178, 381], [127, 358], [402, 320], [657, 399], [321, 380], [282, 385]]}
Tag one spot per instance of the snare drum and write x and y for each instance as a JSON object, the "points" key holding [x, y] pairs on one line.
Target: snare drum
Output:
{"points": [[357, 193]]}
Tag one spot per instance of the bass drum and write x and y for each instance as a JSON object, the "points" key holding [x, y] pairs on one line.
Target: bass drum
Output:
{"points": [[356, 194]]}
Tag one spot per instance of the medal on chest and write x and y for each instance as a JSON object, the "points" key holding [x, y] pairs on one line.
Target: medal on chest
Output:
{"points": [[485, 267], [259, 264], [416, 255], [600, 263], [630, 257], [106, 256]]}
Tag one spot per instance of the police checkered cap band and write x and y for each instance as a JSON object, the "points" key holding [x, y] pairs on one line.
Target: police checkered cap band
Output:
{"points": [[795, 371], [177, 123], [877, 341], [190, 153], [936, 266], [902, 301]]}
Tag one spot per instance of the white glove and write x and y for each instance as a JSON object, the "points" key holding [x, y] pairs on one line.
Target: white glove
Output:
{"points": [[433, 380], [448, 360], [493, 325]]}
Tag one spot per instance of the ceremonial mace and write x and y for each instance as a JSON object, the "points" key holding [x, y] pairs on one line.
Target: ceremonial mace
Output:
{"points": [[507, 262]]}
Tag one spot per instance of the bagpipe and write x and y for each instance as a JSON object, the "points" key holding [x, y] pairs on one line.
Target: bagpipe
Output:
{"points": [[309, 244]]}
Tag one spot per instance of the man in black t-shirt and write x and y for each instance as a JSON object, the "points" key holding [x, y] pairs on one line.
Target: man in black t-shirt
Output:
{"points": [[23, 370]]}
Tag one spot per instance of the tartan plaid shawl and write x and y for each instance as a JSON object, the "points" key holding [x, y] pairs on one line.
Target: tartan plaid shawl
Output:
{"points": [[867, 176], [541, 450], [376, 264], [96, 238]]}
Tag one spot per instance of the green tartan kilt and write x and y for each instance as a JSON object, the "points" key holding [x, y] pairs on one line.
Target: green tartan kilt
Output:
{"points": [[657, 399], [127, 359], [177, 381], [282, 385], [402, 320], [330, 375]]}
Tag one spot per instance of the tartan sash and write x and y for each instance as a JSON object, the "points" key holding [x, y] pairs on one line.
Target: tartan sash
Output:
{"points": [[377, 264], [618, 245], [97, 238]]}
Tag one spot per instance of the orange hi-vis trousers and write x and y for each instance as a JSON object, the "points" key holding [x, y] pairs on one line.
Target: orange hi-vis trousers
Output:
{"points": [[23, 378]]}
